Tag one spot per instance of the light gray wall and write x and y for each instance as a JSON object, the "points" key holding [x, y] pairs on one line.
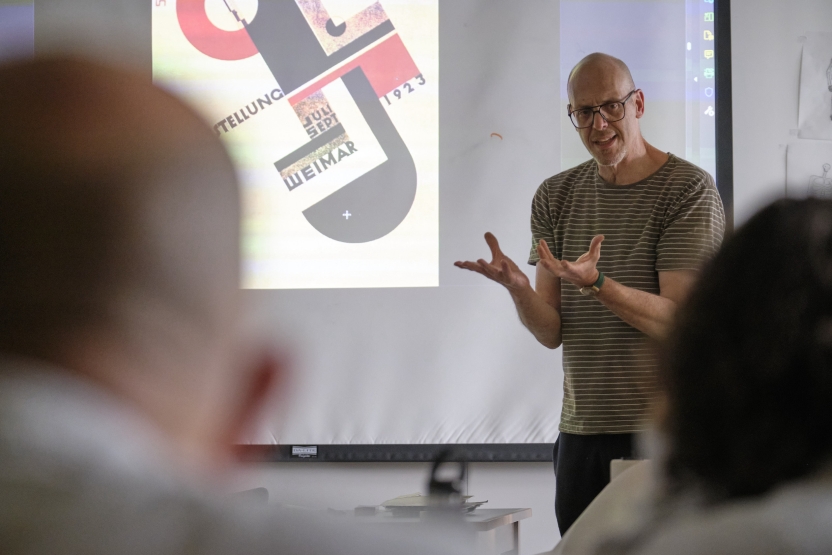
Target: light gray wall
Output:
{"points": [[766, 71]]}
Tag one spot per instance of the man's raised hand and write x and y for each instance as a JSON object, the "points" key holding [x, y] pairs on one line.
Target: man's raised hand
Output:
{"points": [[582, 272], [501, 268]]}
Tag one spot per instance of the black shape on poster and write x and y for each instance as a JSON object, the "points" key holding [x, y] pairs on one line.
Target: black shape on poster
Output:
{"points": [[375, 204], [302, 152], [335, 30], [380, 199], [291, 49]]}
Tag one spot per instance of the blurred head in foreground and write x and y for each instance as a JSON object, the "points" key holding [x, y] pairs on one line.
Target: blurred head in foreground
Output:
{"points": [[748, 375], [122, 372], [119, 235]]}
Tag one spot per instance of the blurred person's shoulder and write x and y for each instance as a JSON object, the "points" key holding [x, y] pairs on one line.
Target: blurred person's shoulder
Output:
{"points": [[792, 519], [82, 473]]}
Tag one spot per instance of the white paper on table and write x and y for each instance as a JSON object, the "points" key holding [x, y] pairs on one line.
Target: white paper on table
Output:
{"points": [[815, 109], [809, 169], [414, 500]]}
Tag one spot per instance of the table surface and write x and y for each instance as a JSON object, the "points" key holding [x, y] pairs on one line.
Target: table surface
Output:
{"points": [[481, 520]]}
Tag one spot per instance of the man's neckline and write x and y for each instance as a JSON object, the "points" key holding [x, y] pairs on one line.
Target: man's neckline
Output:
{"points": [[607, 185]]}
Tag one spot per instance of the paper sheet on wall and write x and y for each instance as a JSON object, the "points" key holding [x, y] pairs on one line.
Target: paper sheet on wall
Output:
{"points": [[815, 112], [809, 169]]}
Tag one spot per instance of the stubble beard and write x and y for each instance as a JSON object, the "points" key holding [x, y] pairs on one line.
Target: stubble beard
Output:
{"points": [[613, 159]]}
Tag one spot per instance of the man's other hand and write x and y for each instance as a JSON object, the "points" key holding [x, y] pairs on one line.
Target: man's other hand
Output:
{"points": [[501, 268], [582, 272]]}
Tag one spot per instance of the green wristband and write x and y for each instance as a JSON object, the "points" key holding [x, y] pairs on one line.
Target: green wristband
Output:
{"points": [[593, 290]]}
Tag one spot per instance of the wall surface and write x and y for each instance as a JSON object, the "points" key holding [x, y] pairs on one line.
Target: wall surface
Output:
{"points": [[767, 46]]}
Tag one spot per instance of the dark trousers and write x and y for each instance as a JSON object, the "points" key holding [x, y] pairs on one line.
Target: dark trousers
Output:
{"points": [[582, 470]]}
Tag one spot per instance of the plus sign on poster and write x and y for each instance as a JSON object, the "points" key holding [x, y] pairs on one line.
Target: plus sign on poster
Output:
{"points": [[330, 111]]}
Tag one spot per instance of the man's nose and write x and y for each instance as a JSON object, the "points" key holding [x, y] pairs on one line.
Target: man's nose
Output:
{"points": [[598, 121]]}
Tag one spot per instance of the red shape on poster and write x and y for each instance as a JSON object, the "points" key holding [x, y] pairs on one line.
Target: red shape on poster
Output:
{"points": [[387, 65], [207, 38]]}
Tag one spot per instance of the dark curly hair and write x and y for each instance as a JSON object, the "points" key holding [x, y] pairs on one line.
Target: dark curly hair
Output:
{"points": [[748, 370]]}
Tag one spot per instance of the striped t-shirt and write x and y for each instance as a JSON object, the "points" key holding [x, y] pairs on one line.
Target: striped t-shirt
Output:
{"points": [[671, 220]]}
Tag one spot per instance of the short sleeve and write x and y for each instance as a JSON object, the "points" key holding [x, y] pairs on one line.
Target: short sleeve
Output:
{"points": [[541, 222], [693, 228]]}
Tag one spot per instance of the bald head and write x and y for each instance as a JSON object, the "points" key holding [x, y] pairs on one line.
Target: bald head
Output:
{"points": [[598, 68], [119, 249], [116, 201]]}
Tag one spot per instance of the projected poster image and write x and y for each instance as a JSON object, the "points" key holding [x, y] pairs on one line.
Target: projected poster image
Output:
{"points": [[330, 110]]}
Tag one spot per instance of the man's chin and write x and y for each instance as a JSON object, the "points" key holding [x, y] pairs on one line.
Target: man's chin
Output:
{"points": [[610, 158]]}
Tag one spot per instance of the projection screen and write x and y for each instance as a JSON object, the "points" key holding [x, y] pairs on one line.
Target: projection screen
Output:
{"points": [[376, 142]]}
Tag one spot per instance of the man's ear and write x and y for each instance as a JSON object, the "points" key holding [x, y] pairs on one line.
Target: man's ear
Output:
{"points": [[265, 378], [639, 104], [568, 110]]}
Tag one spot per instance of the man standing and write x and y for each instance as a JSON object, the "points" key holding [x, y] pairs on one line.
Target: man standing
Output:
{"points": [[660, 217]]}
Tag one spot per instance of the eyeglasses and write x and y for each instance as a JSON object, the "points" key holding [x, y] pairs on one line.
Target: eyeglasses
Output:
{"points": [[611, 112]]}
